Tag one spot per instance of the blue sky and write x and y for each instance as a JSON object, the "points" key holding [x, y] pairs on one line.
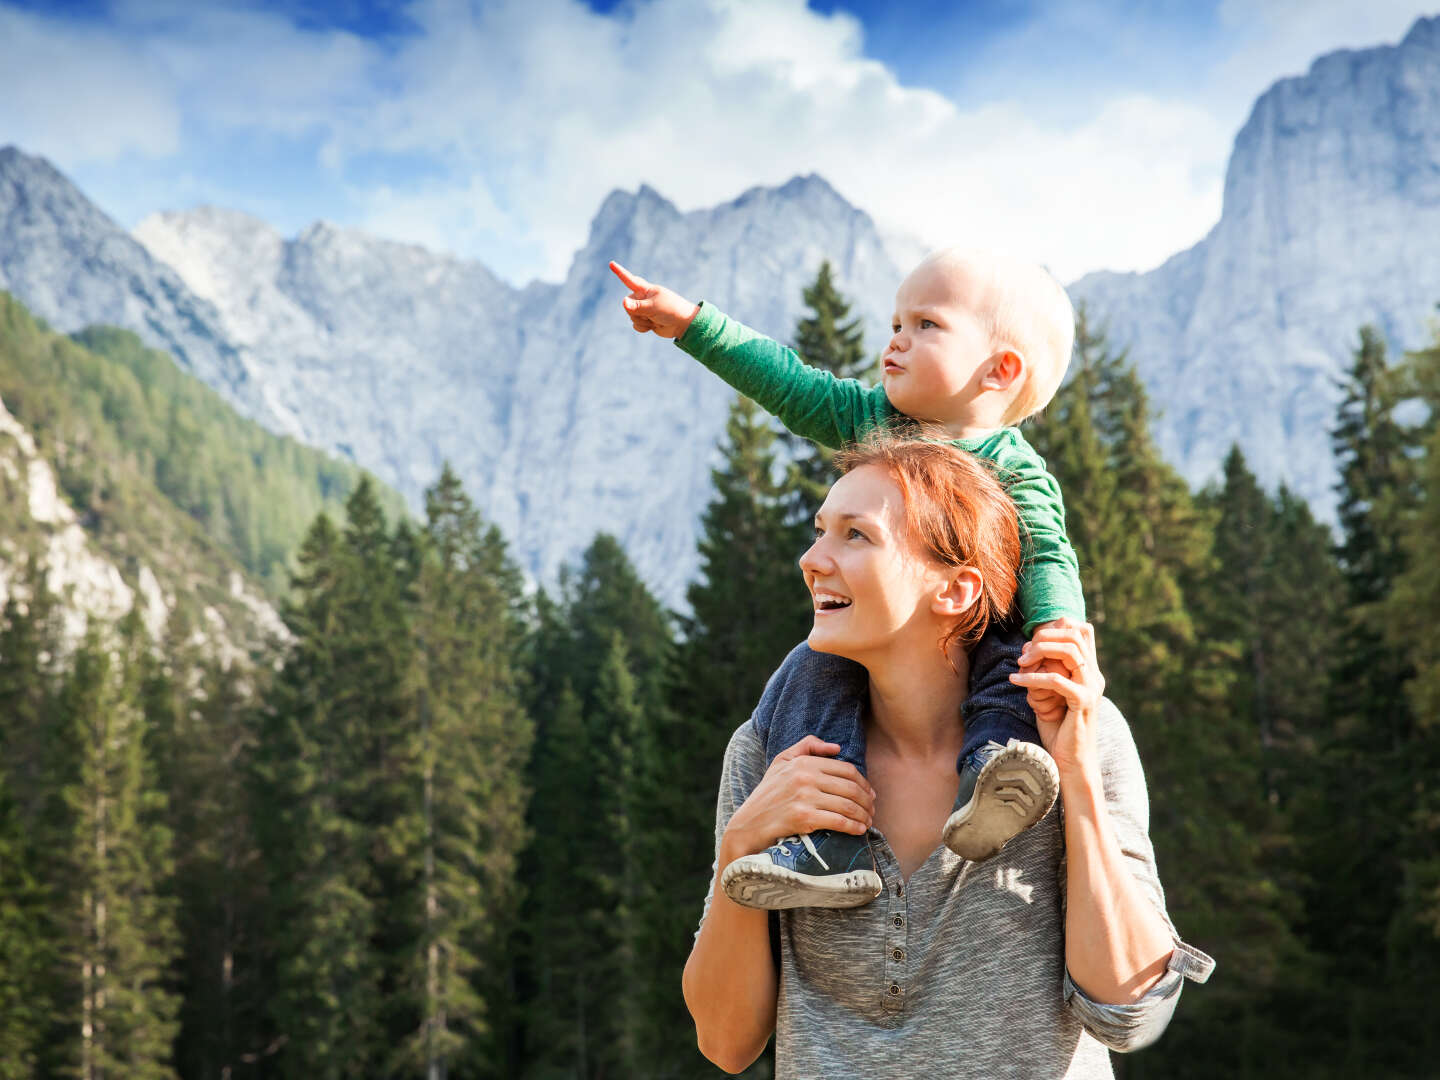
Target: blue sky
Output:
{"points": [[1085, 134]]}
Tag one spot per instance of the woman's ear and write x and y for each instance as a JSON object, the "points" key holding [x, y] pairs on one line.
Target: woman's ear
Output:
{"points": [[960, 593]]}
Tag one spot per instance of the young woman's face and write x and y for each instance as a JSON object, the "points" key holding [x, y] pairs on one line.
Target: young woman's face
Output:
{"points": [[872, 590]]}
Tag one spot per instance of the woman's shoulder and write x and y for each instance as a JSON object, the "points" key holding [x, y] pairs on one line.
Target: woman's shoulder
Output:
{"points": [[1126, 792], [743, 768], [1118, 752]]}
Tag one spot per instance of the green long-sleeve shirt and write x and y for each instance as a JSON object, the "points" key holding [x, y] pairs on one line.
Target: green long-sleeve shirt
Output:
{"points": [[817, 405]]}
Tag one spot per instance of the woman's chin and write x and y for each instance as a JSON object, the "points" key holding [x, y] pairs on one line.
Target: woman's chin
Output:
{"points": [[823, 639]]}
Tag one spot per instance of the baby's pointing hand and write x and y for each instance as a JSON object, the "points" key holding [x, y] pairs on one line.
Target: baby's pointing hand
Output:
{"points": [[654, 308]]}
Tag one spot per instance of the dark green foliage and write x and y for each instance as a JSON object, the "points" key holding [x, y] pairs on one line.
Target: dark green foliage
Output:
{"points": [[1276, 595], [25, 957], [202, 721], [1352, 823], [601, 658], [313, 779], [1146, 556], [111, 858], [463, 845]]}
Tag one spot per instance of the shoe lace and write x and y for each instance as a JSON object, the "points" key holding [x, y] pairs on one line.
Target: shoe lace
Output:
{"points": [[804, 840]]}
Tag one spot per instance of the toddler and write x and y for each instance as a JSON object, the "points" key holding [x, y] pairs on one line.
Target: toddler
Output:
{"points": [[980, 342]]}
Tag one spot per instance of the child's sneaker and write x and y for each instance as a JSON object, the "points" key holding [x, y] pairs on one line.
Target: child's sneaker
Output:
{"points": [[1003, 791], [824, 869]]}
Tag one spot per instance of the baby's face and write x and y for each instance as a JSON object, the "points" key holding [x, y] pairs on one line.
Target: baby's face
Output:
{"points": [[934, 361]]}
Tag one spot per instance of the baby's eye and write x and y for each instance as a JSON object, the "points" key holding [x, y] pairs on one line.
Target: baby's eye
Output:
{"points": [[895, 328], [926, 324]]}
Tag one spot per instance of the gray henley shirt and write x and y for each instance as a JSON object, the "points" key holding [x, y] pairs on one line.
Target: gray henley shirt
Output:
{"points": [[960, 972]]}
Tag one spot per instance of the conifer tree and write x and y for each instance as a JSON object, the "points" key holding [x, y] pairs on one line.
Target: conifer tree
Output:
{"points": [[29, 672], [1274, 595], [201, 717], [588, 765], [1407, 615], [1408, 607], [1354, 857], [557, 935], [33, 766], [1376, 489], [829, 338], [474, 740], [24, 948], [625, 883], [118, 928], [310, 769]]}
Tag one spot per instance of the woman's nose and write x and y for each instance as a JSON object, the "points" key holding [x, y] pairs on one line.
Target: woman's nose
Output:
{"points": [[814, 560]]}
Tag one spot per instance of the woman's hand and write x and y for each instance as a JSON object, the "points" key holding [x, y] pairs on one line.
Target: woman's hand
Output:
{"points": [[804, 789], [654, 308], [1059, 670]]}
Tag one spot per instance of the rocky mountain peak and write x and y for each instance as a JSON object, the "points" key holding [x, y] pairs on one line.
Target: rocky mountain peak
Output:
{"points": [[1332, 196]]}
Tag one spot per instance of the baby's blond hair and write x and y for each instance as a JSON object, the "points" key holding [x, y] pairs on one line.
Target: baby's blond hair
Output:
{"points": [[1025, 309]]}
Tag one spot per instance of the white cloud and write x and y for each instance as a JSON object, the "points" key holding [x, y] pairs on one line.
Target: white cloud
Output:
{"points": [[517, 117], [75, 93], [542, 107]]}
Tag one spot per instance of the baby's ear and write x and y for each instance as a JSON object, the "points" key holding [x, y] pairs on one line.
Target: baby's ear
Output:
{"points": [[1005, 371]]}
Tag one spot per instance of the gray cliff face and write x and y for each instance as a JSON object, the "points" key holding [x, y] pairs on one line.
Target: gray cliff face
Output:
{"points": [[1332, 207], [74, 267], [561, 419]]}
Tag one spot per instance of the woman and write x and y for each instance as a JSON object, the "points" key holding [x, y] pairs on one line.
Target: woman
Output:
{"points": [[957, 968]]}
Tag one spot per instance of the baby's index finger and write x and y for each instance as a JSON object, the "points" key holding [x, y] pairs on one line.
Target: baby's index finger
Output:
{"points": [[633, 283]]}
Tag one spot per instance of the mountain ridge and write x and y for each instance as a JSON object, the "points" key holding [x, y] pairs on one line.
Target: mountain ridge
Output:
{"points": [[563, 422]]}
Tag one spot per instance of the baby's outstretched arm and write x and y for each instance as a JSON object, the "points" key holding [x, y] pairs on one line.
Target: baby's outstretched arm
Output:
{"points": [[654, 308], [811, 402]]}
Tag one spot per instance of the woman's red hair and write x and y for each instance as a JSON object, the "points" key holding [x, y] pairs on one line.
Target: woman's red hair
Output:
{"points": [[957, 513]]}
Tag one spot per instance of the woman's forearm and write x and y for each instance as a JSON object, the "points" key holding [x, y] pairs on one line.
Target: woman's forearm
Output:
{"points": [[730, 982], [1116, 943]]}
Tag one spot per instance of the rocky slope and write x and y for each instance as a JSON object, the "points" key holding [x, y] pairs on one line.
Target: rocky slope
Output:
{"points": [[96, 578], [1332, 207]]}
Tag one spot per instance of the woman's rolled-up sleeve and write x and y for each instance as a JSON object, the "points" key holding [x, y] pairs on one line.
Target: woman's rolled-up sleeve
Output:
{"points": [[1138, 1024]]}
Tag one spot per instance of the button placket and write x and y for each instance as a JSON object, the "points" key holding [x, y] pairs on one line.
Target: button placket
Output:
{"points": [[895, 953], [892, 990]]}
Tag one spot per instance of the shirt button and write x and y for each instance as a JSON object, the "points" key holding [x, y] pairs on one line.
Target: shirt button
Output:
{"points": [[898, 954], [897, 888], [894, 989], [899, 921]]}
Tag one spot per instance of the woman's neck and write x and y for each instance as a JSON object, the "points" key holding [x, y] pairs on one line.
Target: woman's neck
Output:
{"points": [[915, 699]]}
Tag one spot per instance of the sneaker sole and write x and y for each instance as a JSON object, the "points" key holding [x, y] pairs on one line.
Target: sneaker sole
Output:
{"points": [[1016, 789], [755, 882]]}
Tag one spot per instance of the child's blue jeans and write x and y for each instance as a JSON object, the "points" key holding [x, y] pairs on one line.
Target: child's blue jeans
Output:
{"points": [[819, 694]]}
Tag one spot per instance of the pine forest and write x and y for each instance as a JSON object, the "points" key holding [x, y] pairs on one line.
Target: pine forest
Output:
{"points": [[445, 826]]}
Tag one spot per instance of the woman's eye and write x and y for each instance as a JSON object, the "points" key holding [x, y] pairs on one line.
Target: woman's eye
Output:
{"points": [[819, 532], [856, 532]]}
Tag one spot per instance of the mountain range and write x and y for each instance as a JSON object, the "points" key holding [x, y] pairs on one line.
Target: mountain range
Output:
{"points": [[563, 422]]}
